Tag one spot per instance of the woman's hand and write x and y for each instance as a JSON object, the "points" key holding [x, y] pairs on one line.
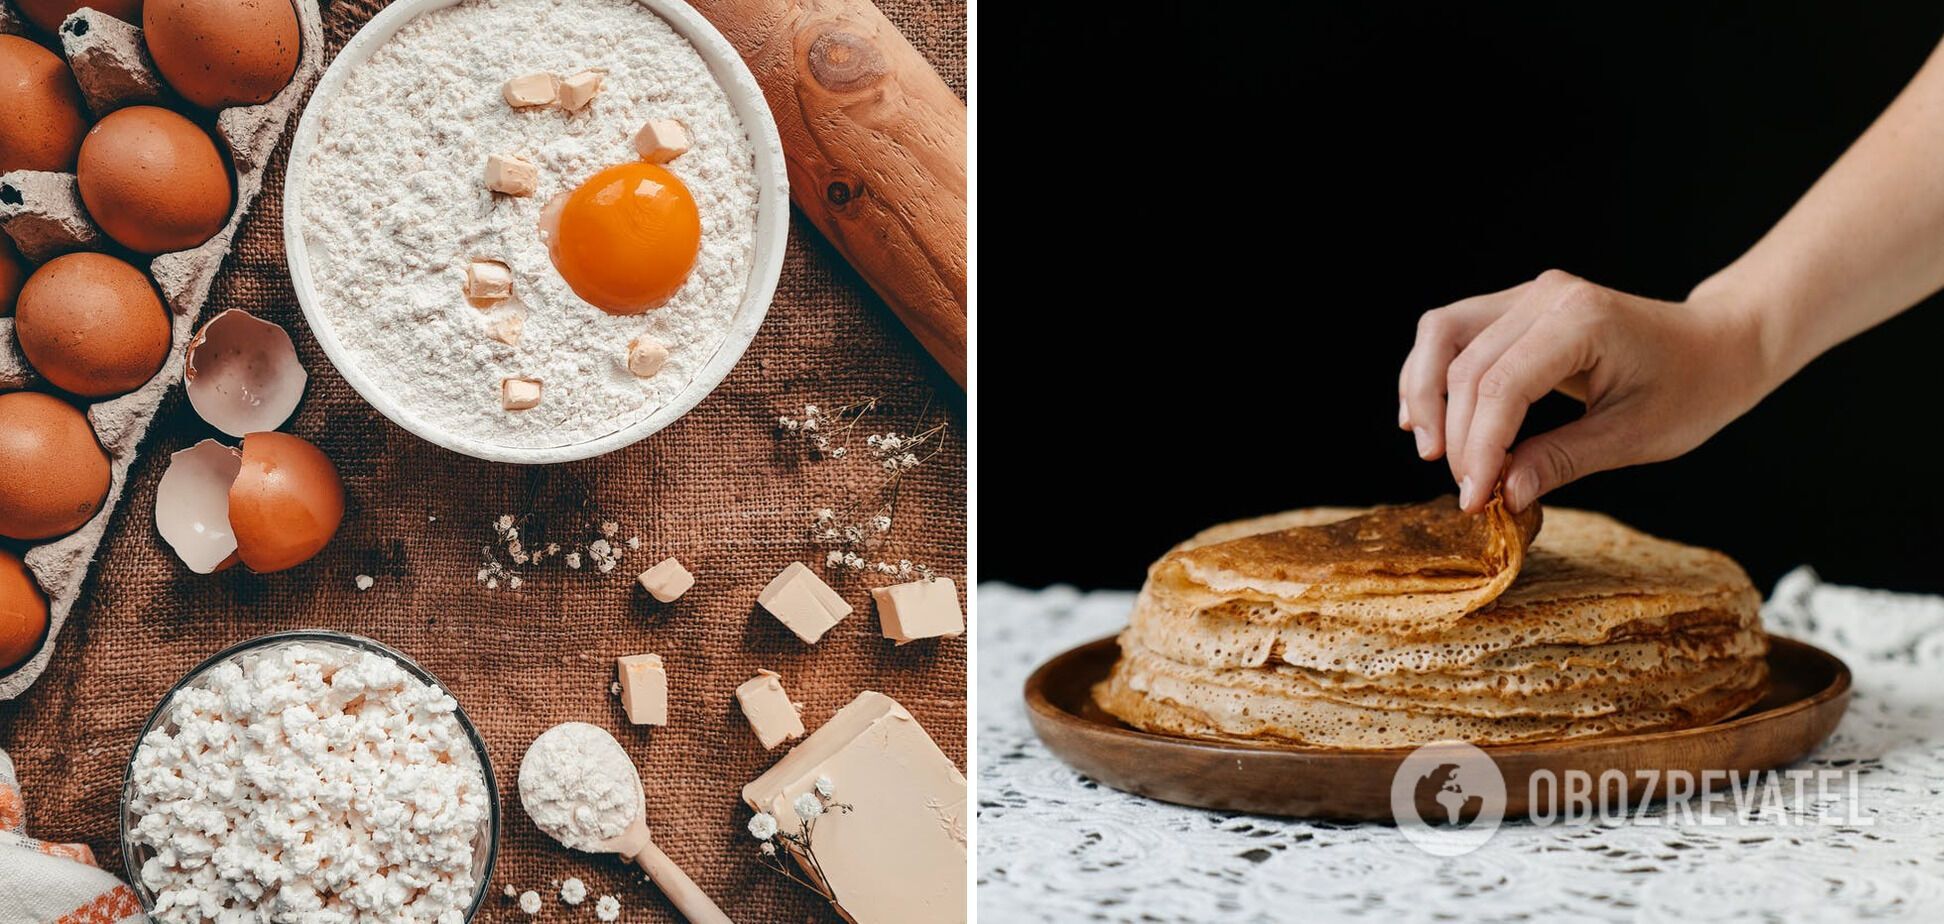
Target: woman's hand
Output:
{"points": [[1658, 378]]}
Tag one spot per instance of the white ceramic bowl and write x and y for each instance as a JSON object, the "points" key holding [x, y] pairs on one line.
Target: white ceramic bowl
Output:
{"points": [[772, 231]]}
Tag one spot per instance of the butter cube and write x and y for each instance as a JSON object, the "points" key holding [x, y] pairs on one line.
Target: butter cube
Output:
{"points": [[644, 689], [507, 327], [519, 393], [771, 715], [920, 609], [646, 356], [662, 140], [511, 175], [529, 90], [488, 281], [803, 602], [667, 580], [577, 91], [898, 854]]}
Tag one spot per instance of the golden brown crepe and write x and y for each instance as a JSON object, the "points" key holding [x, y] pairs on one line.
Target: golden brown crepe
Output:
{"points": [[1421, 564], [1347, 628]]}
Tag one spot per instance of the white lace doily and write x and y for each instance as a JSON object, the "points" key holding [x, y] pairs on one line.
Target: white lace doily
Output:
{"points": [[1054, 846]]}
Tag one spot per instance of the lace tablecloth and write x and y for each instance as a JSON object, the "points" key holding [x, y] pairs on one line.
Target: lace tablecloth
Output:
{"points": [[1054, 846]]}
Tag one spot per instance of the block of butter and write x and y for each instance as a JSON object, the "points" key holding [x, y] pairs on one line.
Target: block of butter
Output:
{"points": [[899, 854], [771, 715], [644, 688], [802, 601], [919, 609]]}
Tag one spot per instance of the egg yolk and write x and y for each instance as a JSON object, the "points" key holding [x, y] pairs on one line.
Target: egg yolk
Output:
{"points": [[626, 239]]}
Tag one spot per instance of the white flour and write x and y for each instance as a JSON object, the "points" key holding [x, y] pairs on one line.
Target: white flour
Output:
{"points": [[580, 787], [310, 782], [395, 207]]}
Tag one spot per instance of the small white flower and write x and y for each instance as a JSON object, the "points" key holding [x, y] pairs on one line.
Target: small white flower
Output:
{"points": [[825, 514], [890, 465], [810, 410], [824, 786], [769, 848], [908, 460], [834, 559], [787, 423], [839, 452], [881, 523], [763, 826], [808, 806], [810, 425]]}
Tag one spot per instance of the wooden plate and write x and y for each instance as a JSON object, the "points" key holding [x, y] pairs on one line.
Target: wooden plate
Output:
{"points": [[1809, 689]]}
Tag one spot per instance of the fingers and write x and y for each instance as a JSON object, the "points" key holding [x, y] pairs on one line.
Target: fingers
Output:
{"points": [[1554, 347], [1461, 385], [1441, 334], [1594, 443]]}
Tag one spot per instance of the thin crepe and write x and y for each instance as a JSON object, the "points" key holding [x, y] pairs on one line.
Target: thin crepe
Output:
{"points": [[1420, 565], [1400, 625]]}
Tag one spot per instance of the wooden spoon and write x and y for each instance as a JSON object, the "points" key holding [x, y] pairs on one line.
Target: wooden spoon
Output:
{"points": [[599, 749], [688, 898]]}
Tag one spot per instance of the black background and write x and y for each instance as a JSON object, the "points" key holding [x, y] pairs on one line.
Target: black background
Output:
{"points": [[1220, 223]]}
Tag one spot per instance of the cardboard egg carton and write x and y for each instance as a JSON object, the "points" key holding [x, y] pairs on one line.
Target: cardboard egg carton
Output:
{"points": [[43, 214]]}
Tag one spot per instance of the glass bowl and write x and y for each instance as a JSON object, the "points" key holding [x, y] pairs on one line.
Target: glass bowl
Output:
{"points": [[485, 848]]}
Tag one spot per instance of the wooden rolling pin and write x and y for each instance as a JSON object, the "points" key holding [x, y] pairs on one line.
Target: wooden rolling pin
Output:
{"points": [[876, 147]]}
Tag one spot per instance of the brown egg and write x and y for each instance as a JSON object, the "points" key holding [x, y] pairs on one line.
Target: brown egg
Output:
{"points": [[223, 52], [53, 475], [48, 14], [13, 272], [23, 613], [285, 503], [41, 120], [153, 180], [92, 324]]}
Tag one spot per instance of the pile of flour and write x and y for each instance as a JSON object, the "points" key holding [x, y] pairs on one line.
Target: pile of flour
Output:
{"points": [[309, 782], [580, 787], [395, 207]]}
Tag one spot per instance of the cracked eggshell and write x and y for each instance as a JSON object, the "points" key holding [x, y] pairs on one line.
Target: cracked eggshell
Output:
{"points": [[192, 505], [286, 502], [242, 373]]}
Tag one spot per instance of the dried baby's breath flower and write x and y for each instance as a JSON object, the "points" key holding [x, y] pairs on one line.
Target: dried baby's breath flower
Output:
{"points": [[808, 805], [855, 539], [762, 826], [824, 786]]}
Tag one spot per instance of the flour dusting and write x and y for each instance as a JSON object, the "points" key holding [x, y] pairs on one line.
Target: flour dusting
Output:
{"points": [[395, 208]]}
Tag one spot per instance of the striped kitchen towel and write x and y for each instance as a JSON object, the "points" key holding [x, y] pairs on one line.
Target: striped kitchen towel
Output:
{"points": [[47, 883]]}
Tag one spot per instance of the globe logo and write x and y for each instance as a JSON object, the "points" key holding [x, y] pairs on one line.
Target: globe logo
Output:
{"points": [[1448, 797]]}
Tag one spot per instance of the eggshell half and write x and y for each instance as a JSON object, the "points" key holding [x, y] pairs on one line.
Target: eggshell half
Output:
{"points": [[242, 374], [286, 503], [192, 505], [23, 613]]}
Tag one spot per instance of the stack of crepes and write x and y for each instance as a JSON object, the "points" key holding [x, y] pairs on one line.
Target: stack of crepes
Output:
{"points": [[1398, 626]]}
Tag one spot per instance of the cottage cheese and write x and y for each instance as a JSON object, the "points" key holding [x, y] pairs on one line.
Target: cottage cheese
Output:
{"points": [[309, 782], [395, 207]]}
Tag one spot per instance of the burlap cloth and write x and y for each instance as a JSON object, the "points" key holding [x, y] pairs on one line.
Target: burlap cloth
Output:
{"points": [[717, 489]]}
